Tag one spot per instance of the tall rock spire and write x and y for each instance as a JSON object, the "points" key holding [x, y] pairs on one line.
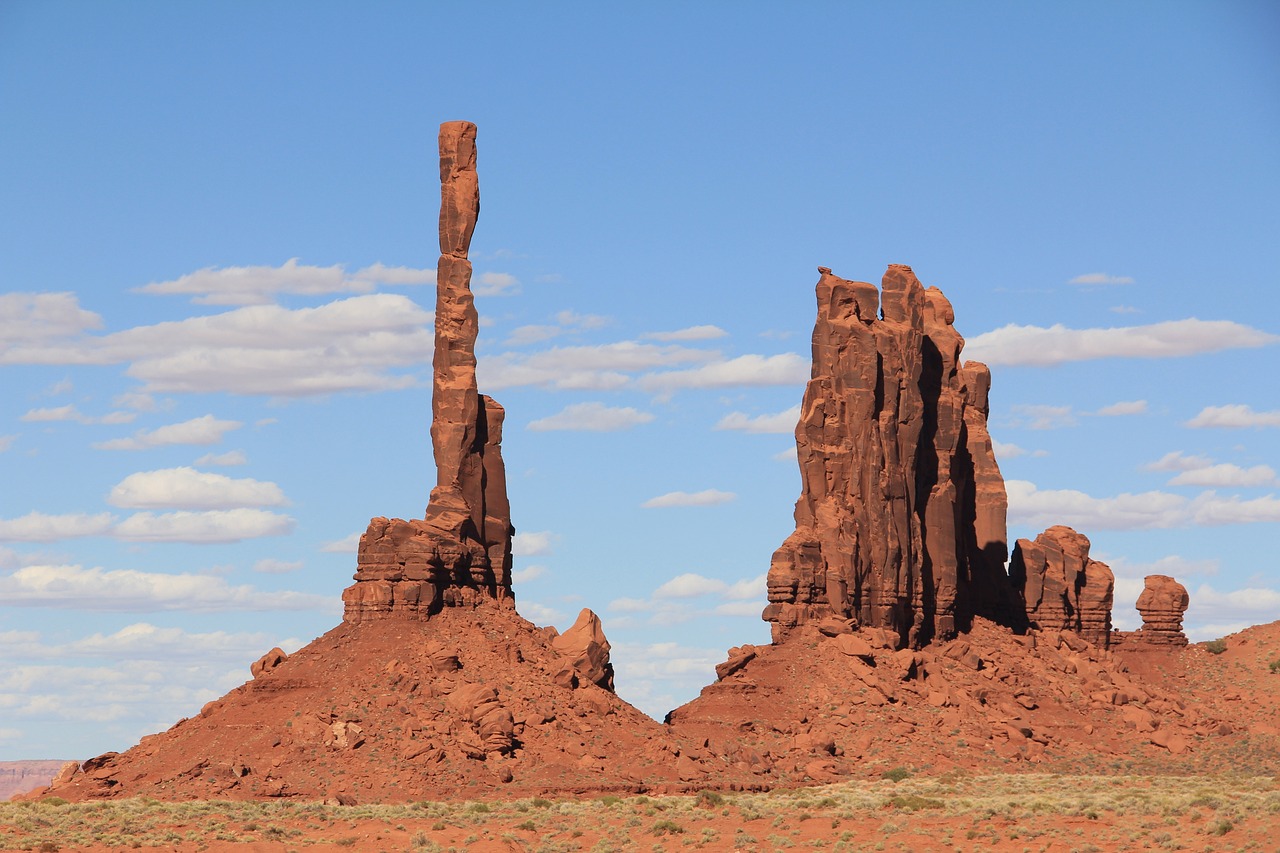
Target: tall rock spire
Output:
{"points": [[460, 553], [900, 521]]}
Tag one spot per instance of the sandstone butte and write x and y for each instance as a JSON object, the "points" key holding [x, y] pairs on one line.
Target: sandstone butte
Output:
{"points": [[898, 636]]}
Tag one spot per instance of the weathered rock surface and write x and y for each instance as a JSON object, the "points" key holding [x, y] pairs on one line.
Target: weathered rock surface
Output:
{"points": [[587, 650], [1061, 588], [900, 522], [1162, 603], [459, 554]]}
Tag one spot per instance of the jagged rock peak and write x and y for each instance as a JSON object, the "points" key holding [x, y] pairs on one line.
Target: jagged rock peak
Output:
{"points": [[459, 554], [1061, 588], [901, 518]]}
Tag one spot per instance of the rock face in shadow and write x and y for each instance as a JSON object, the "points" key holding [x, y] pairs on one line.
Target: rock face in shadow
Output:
{"points": [[1162, 603], [900, 523], [459, 554], [1061, 588]]}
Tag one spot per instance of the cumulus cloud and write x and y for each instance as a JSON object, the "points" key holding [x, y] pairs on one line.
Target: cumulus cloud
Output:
{"points": [[692, 333], [1041, 347], [272, 566], [495, 284], [591, 417], [35, 319], [228, 459], [1234, 417], [782, 422], [220, 525], [745, 370], [706, 497], [1100, 278], [528, 573], [202, 430], [540, 614], [259, 285], [533, 543], [98, 589], [347, 345], [1213, 613], [1131, 407], [1226, 475], [39, 527], [1040, 508], [187, 488]]}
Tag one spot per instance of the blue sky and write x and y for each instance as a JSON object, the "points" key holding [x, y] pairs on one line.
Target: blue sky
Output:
{"points": [[217, 243]]}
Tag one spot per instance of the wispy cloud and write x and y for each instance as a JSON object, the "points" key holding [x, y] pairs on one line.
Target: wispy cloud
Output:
{"points": [[706, 497], [40, 527], [1041, 347], [259, 285], [228, 459], [202, 430], [745, 370], [692, 333], [495, 284], [534, 543], [1100, 278], [1234, 417], [591, 417], [780, 423], [1036, 416], [71, 413], [1122, 409], [219, 525], [272, 566]]}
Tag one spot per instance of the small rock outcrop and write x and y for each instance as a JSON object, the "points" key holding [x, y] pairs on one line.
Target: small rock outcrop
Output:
{"points": [[459, 554], [1061, 588], [587, 650], [901, 518], [1162, 603]]}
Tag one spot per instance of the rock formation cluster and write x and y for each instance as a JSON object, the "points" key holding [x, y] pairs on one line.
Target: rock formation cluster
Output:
{"points": [[1161, 604], [901, 518], [459, 554], [1064, 590]]}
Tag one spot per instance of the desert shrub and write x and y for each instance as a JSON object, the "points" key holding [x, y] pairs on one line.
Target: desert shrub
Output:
{"points": [[897, 774], [479, 808], [914, 802], [667, 827], [610, 800], [709, 799], [1223, 827], [1275, 665], [1215, 647]]}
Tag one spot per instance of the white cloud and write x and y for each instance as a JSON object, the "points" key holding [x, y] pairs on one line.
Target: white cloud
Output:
{"points": [[1177, 461], [1148, 510], [540, 614], [791, 454], [1212, 613], [39, 527], [272, 566], [692, 333], [591, 417], [495, 284], [707, 497], [1234, 417], [202, 430], [78, 588], [1043, 417], [1132, 407], [782, 422], [231, 457], [35, 319], [528, 573], [6, 441], [689, 585], [347, 345], [1041, 347], [523, 336], [135, 400], [600, 367], [533, 543], [1004, 450], [258, 285], [348, 544], [71, 413], [187, 488], [223, 525], [1227, 475], [1100, 278], [751, 370]]}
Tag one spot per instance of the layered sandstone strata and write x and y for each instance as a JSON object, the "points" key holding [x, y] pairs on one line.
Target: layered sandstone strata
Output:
{"points": [[459, 554], [901, 518], [1162, 603], [1061, 588]]}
